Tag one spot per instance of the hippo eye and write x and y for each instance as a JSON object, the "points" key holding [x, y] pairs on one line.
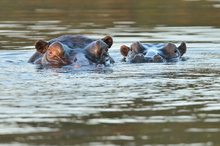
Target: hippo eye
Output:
{"points": [[50, 52], [75, 60]]}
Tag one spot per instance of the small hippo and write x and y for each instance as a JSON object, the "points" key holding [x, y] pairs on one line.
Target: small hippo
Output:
{"points": [[145, 53], [73, 50]]}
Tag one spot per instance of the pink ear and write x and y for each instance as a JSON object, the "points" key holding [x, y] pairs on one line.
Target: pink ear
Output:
{"points": [[41, 46], [108, 40], [124, 50]]}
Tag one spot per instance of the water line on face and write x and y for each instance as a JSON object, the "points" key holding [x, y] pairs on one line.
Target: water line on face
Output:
{"points": [[135, 104]]}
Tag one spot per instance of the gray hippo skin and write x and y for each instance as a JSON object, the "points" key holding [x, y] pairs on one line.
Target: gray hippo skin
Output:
{"points": [[146, 53], [73, 50]]}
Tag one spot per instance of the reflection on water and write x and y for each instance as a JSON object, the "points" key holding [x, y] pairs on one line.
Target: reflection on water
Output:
{"points": [[125, 104]]}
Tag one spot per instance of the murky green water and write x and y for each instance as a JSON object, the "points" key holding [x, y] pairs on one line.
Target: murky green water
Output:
{"points": [[126, 104]]}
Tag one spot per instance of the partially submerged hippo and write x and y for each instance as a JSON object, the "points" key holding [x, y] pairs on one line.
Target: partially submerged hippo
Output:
{"points": [[73, 50], [141, 53]]}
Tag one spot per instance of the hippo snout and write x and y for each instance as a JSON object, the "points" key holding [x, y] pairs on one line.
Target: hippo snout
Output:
{"points": [[55, 55]]}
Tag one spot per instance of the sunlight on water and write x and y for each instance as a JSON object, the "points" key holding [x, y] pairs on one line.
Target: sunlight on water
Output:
{"points": [[124, 104]]}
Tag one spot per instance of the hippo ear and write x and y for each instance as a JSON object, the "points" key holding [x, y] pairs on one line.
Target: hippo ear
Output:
{"points": [[124, 50], [41, 46], [108, 40], [182, 48]]}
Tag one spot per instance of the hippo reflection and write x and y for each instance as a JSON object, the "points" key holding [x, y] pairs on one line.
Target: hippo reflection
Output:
{"points": [[141, 53], [73, 50]]}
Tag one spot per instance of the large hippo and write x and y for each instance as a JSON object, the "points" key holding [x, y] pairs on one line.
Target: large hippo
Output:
{"points": [[73, 50], [141, 53]]}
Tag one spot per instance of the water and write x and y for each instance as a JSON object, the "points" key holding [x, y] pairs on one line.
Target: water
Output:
{"points": [[125, 104]]}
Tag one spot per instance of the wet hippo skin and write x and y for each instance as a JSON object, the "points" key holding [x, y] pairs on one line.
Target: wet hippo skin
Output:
{"points": [[74, 50], [146, 53]]}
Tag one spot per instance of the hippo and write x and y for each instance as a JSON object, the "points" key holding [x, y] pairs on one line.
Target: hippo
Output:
{"points": [[76, 50], [155, 53]]}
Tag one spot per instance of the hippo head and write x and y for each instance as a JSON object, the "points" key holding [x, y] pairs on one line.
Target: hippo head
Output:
{"points": [[60, 54], [97, 51], [49, 54], [140, 53]]}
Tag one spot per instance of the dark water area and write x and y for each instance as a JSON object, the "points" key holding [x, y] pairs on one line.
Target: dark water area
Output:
{"points": [[121, 105]]}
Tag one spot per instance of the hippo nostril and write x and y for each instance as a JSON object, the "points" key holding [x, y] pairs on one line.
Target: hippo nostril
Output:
{"points": [[158, 58], [75, 60]]}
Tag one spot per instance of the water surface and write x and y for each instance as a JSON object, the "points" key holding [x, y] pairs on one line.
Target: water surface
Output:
{"points": [[125, 104]]}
